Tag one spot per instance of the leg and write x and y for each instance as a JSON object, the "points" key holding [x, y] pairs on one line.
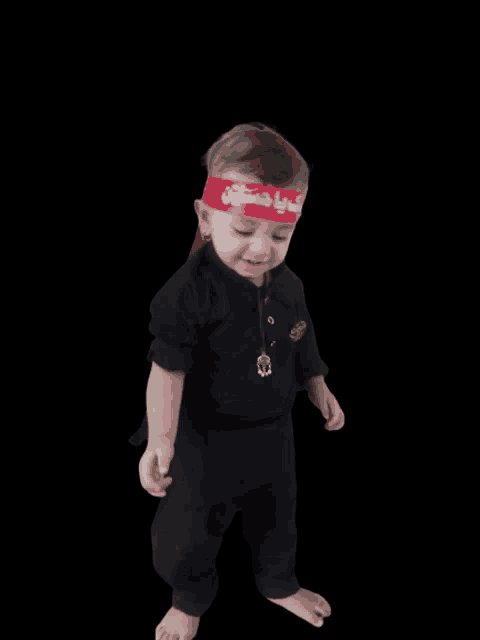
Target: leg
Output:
{"points": [[187, 533], [268, 521]]}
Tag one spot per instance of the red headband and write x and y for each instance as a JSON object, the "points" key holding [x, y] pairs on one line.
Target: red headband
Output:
{"points": [[254, 200]]}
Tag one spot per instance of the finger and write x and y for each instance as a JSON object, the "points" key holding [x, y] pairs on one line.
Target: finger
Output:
{"points": [[147, 472], [146, 462], [156, 491], [164, 484]]}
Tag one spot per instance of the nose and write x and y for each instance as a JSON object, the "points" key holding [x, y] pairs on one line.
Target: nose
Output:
{"points": [[258, 251]]}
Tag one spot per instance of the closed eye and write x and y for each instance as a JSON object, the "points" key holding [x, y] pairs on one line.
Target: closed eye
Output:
{"points": [[249, 233]]}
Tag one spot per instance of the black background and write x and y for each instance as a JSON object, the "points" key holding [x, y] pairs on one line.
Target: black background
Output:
{"points": [[331, 252], [135, 203]]}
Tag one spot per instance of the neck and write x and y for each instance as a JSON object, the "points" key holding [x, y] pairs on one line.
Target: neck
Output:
{"points": [[259, 281]]}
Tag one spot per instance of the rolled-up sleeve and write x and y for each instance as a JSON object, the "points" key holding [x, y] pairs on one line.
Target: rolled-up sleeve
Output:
{"points": [[308, 362], [173, 325]]}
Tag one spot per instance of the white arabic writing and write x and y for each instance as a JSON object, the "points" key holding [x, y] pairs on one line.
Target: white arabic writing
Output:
{"points": [[240, 194]]}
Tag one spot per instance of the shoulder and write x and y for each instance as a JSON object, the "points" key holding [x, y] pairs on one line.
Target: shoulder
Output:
{"points": [[174, 288], [190, 293], [174, 294]]}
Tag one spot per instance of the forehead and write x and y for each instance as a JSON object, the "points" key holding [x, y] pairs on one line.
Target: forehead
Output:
{"points": [[253, 223]]}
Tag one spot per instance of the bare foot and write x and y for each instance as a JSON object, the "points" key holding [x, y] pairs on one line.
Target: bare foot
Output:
{"points": [[307, 605], [177, 625]]}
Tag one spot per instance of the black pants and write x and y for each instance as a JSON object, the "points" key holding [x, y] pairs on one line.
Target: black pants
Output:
{"points": [[249, 470]]}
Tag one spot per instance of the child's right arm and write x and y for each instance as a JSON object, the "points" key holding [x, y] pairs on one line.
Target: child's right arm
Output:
{"points": [[164, 397]]}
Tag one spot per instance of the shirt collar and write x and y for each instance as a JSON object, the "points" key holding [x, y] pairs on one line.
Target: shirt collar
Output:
{"points": [[233, 277]]}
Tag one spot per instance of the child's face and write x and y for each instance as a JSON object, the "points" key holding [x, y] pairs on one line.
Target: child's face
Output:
{"points": [[238, 238]]}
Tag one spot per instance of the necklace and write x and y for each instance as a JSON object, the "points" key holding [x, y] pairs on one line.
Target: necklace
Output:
{"points": [[264, 365]]}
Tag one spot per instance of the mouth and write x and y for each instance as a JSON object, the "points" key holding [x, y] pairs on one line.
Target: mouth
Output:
{"points": [[255, 265]]}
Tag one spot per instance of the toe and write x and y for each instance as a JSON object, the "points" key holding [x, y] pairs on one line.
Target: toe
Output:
{"points": [[318, 622], [323, 607]]}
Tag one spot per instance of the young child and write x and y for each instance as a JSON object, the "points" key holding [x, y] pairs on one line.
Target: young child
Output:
{"points": [[234, 342]]}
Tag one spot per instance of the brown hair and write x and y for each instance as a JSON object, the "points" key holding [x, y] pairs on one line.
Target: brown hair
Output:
{"points": [[255, 149]]}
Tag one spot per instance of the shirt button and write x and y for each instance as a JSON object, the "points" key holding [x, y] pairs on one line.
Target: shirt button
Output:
{"points": [[271, 320]]}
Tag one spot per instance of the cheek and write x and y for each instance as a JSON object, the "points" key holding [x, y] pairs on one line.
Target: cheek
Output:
{"points": [[229, 243]]}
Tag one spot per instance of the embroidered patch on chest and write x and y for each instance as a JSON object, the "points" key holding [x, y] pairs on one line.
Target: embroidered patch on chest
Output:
{"points": [[298, 330]]}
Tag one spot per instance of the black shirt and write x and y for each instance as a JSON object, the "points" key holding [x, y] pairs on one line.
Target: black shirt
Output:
{"points": [[206, 322]]}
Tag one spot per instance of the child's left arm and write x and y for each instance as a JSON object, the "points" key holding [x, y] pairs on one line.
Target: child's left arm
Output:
{"points": [[321, 396]]}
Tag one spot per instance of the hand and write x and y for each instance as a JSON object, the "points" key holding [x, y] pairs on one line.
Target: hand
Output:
{"points": [[331, 411], [154, 466]]}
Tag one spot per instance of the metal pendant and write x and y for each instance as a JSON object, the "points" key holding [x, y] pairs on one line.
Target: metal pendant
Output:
{"points": [[264, 366]]}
